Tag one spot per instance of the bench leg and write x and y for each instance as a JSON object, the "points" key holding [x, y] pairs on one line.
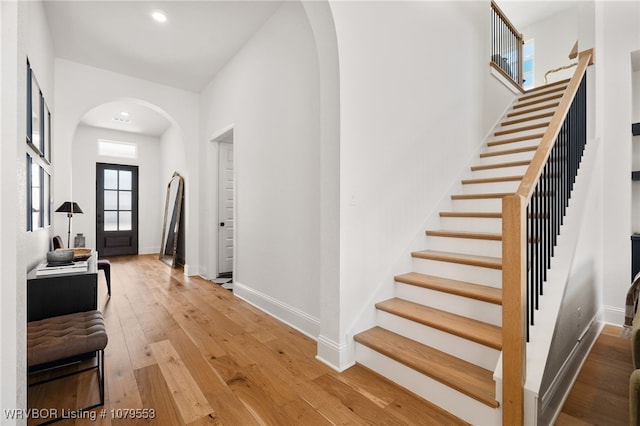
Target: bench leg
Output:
{"points": [[100, 369]]}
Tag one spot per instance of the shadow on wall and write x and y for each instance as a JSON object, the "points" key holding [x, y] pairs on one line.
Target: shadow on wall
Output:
{"points": [[579, 307]]}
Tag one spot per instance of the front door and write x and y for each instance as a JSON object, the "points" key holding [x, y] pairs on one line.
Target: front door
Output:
{"points": [[116, 209]]}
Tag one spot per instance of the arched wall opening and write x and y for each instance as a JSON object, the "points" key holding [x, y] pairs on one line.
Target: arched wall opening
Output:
{"points": [[80, 89], [155, 157]]}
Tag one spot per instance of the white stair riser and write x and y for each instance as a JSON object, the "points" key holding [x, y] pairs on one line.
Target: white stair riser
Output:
{"points": [[505, 158], [490, 187], [453, 345], [521, 133], [498, 172], [518, 105], [471, 224], [465, 245], [456, 403], [455, 271], [511, 145], [550, 108], [477, 205], [529, 122], [476, 309]]}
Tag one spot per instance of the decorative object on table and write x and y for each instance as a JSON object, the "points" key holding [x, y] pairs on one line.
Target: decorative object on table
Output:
{"points": [[81, 253], [69, 207], [60, 257], [79, 240]]}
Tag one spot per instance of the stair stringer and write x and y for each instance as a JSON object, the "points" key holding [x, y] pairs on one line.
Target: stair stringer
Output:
{"points": [[537, 406]]}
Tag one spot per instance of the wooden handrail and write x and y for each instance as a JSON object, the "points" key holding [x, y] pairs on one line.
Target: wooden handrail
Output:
{"points": [[512, 43], [506, 20], [514, 267], [544, 149]]}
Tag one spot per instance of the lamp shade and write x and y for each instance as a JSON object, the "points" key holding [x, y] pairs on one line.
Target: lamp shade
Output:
{"points": [[69, 207]]}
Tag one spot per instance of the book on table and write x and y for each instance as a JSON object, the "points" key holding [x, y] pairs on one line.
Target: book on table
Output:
{"points": [[52, 269]]}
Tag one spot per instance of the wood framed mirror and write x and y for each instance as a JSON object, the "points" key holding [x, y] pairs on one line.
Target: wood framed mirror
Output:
{"points": [[172, 242]]}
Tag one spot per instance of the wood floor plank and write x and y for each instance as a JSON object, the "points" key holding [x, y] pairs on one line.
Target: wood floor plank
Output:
{"points": [[354, 401], [188, 397], [156, 396], [251, 347]]}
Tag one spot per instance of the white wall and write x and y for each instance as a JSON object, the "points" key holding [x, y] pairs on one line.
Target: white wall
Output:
{"points": [[619, 36], [554, 38], [151, 184], [40, 53], [81, 88], [23, 33], [413, 112], [269, 93]]}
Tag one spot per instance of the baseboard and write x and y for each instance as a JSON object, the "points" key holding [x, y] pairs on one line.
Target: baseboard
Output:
{"points": [[149, 250], [190, 270], [335, 355], [290, 315], [613, 315], [551, 403]]}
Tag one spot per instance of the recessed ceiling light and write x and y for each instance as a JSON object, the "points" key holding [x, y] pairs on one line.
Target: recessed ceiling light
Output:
{"points": [[124, 114], [159, 16], [121, 120]]}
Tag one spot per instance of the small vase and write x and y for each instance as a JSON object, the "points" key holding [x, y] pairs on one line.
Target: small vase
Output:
{"points": [[78, 240]]}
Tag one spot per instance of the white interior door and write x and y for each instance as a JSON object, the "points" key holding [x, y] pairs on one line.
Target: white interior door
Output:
{"points": [[225, 209]]}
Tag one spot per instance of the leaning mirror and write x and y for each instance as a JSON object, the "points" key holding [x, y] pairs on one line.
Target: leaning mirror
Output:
{"points": [[172, 242]]}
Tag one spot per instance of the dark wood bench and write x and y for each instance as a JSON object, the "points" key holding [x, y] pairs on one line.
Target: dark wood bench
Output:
{"points": [[66, 339]]}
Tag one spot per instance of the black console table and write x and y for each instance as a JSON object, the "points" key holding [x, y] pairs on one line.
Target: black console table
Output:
{"points": [[61, 294]]}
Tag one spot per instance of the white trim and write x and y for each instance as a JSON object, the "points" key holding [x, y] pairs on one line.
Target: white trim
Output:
{"points": [[334, 354], [504, 80], [290, 315], [613, 315]]}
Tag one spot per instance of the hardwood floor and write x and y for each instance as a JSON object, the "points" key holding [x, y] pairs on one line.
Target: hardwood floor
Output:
{"points": [[187, 349], [600, 395], [191, 352]]}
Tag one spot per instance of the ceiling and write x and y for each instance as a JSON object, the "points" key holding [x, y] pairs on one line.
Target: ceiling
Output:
{"points": [[523, 13], [186, 51]]}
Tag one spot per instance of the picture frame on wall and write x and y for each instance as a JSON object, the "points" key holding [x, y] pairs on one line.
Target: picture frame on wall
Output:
{"points": [[45, 146], [34, 114], [39, 199]]}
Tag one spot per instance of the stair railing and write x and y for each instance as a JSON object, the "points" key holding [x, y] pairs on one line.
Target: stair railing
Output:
{"points": [[506, 46], [531, 220]]}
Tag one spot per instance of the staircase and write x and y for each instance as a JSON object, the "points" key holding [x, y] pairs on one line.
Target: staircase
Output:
{"points": [[441, 336]]}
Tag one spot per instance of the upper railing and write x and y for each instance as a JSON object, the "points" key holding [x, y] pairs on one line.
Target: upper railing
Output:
{"points": [[531, 220], [506, 46]]}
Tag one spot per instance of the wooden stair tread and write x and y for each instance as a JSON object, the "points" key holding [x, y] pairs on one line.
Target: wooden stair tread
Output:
{"points": [[479, 332], [522, 128], [525, 119], [547, 86], [480, 196], [519, 104], [509, 151], [543, 91], [517, 112], [492, 179], [460, 375], [515, 139], [481, 215], [500, 165], [460, 258], [465, 234], [459, 288]]}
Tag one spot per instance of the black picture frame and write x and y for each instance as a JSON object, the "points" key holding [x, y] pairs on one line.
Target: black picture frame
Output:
{"points": [[45, 151], [29, 194], [34, 114]]}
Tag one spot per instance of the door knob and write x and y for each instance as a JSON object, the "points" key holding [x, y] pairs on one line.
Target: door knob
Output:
{"points": [[221, 223]]}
